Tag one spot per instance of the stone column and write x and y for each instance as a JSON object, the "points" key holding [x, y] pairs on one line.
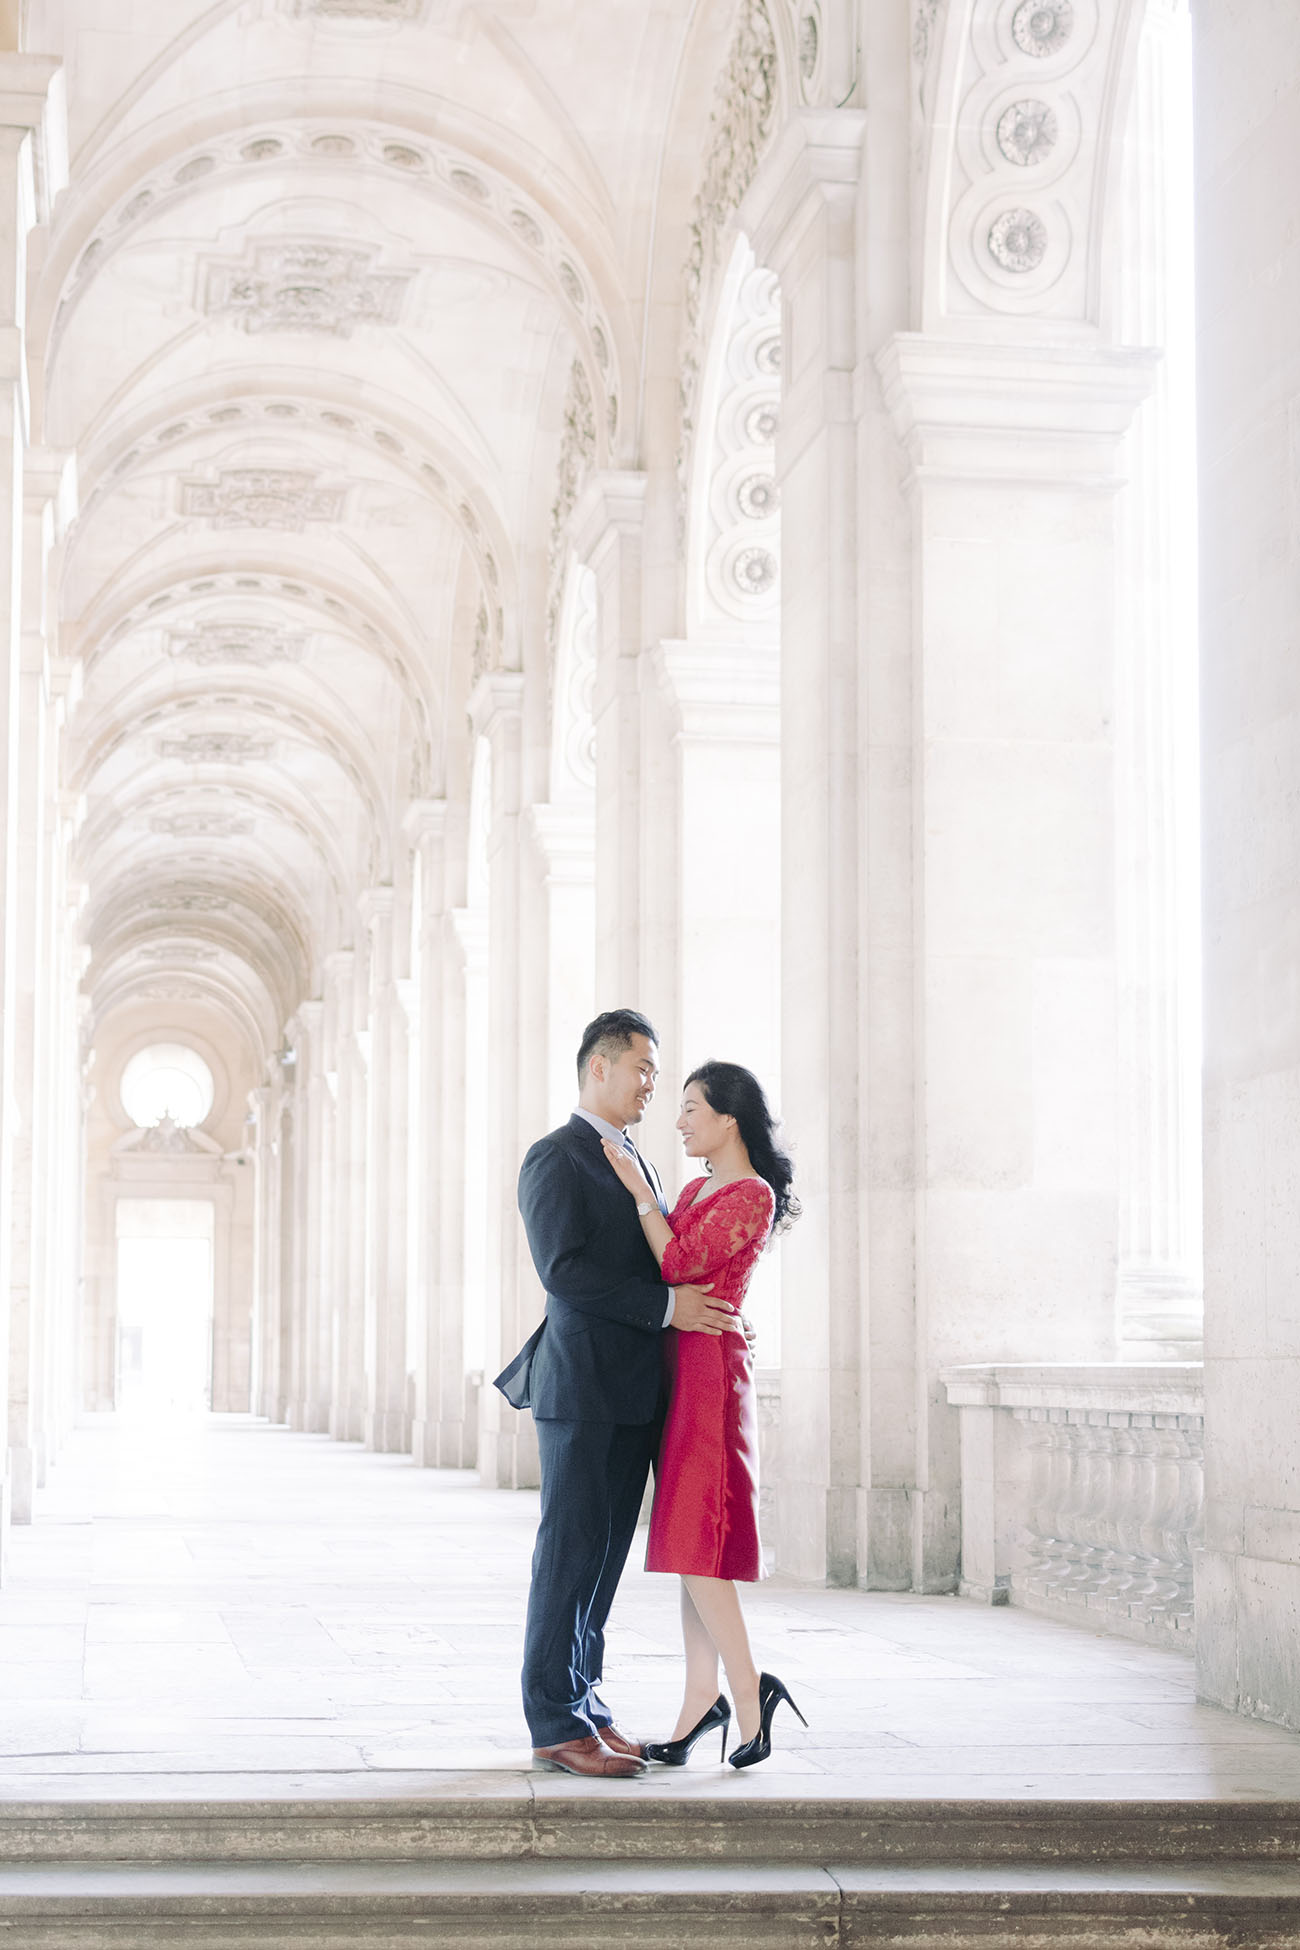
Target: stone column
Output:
{"points": [[387, 1425], [507, 1449], [309, 1404], [1159, 1276], [441, 1436], [31, 132], [560, 920], [1015, 454], [345, 1079], [265, 1166], [800, 213], [606, 527], [1247, 102]]}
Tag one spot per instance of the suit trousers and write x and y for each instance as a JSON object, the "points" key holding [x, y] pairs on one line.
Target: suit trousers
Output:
{"points": [[593, 1479]]}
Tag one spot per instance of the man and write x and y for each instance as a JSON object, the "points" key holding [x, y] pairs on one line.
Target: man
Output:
{"points": [[591, 1375]]}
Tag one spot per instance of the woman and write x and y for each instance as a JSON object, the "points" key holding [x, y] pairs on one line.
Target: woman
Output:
{"points": [[704, 1524]]}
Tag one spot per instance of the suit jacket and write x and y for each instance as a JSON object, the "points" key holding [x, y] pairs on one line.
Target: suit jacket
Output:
{"points": [[596, 1355]]}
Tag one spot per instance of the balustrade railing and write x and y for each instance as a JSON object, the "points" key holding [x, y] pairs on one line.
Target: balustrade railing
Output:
{"points": [[1082, 1491]]}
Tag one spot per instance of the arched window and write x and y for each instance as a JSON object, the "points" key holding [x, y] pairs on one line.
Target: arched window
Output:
{"points": [[166, 1080]]}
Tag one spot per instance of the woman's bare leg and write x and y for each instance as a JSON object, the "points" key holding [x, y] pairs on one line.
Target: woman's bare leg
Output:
{"points": [[701, 1667], [716, 1604]]}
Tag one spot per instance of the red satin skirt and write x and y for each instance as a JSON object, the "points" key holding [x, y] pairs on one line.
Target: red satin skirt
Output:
{"points": [[704, 1521]]}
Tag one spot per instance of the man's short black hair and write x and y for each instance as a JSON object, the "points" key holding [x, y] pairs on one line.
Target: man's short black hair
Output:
{"points": [[611, 1034]]}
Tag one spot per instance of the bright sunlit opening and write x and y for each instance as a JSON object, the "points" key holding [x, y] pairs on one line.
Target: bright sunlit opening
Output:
{"points": [[164, 1306], [166, 1080]]}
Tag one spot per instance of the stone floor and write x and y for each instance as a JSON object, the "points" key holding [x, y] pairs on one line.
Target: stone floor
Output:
{"points": [[223, 1608]]}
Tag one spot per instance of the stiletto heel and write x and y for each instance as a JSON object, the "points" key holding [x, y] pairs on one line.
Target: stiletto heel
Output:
{"points": [[770, 1694], [673, 1752]]}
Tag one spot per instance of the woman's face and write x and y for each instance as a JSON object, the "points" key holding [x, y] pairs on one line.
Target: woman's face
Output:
{"points": [[703, 1131]]}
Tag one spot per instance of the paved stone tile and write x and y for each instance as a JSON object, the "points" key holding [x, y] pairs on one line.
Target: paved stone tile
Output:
{"points": [[247, 1606]]}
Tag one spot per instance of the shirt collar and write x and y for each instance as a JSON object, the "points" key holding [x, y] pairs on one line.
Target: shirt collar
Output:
{"points": [[605, 1128]]}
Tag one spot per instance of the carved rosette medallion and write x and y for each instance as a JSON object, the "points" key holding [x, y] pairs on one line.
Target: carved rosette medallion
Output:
{"points": [[1042, 27], [1018, 240], [577, 452], [284, 498], [326, 289], [200, 826], [1027, 132], [757, 497], [361, 9], [754, 571]]}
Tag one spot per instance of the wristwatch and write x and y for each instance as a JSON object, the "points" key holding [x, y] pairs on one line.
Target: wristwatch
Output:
{"points": [[641, 1210]]}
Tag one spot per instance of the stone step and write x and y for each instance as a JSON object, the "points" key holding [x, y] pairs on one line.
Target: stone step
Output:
{"points": [[570, 1822], [652, 1904]]}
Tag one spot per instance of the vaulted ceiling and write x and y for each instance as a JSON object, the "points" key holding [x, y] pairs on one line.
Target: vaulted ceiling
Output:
{"points": [[306, 317]]}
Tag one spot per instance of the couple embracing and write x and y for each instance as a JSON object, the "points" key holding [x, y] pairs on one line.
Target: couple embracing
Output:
{"points": [[642, 1357]]}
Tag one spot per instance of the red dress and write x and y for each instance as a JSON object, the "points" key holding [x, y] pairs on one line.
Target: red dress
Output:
{"points": [[705, 1515]]}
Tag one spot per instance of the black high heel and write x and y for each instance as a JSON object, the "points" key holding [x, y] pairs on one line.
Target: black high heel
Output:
{"points": [[673, 1752], [770, 1694]]}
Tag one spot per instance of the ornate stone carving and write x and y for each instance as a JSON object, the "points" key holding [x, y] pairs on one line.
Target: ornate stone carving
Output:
{"points": [[254, 644], [362, 9], [1027, 132], [576, 691], [1042, 27], [1018, 240], [482, 657], [180, 899], [809, 43], [757, 497], [754, 571], [180, 951], [735, 522], [744, 109], [213, 825], [168, 1137], [284, 498], [577, 452], [925, 28], [215, 748], [305, 286]]}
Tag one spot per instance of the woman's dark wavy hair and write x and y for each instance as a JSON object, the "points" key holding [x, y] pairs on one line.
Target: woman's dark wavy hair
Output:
{"points": [[734, 1091]]}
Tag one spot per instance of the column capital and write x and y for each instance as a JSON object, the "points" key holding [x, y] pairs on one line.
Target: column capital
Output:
{"points": [[425, 819], [33, 98], [497, 700], [813, 167], [1013, 413], [704, 680], [375, 904], [612, 503], [565, 839]]}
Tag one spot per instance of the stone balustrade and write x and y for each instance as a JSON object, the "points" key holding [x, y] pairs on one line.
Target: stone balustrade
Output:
{"points": [[1081, 1492]]}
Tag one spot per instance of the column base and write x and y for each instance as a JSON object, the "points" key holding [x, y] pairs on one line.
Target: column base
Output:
{"points": [[388, 1433]]}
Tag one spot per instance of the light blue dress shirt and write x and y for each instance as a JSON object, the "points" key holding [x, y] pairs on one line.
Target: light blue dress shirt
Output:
{"points": [[621, 1138]]}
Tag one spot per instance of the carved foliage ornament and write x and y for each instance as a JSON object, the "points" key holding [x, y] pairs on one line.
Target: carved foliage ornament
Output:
{"points": [[327, 289], [577, 452], [744, 108]]}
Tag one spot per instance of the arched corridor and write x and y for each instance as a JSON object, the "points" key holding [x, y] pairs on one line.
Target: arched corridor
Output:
{"points": [[515, 508]]}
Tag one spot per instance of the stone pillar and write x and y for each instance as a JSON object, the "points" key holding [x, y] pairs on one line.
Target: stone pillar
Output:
{"points": [[606, 527], [507, 1450], [724, 700], [264, 1165], [345, 1080], [1015, 455], [387, 1426], [442, 1437], [800, 213], [560, 920], [309, 1402], [1159, 1277], [31, 133], [1247, 102]]}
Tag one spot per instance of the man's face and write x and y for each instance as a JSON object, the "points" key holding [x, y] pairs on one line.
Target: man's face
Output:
{"points": [[626, 1083]]}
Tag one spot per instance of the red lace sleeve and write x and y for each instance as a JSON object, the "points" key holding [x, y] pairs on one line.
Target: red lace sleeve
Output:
{"points": [[711, 1234]]}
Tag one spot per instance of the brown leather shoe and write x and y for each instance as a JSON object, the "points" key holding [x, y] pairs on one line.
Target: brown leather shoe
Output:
{"points": [[619, 1742], [590, 1756]]}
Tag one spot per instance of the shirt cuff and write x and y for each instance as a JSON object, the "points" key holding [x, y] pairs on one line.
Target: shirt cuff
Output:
{"points": [[672, 1303]]}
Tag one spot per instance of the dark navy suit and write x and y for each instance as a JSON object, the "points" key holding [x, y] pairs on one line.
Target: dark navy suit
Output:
{"points": [[592, 1377]]}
